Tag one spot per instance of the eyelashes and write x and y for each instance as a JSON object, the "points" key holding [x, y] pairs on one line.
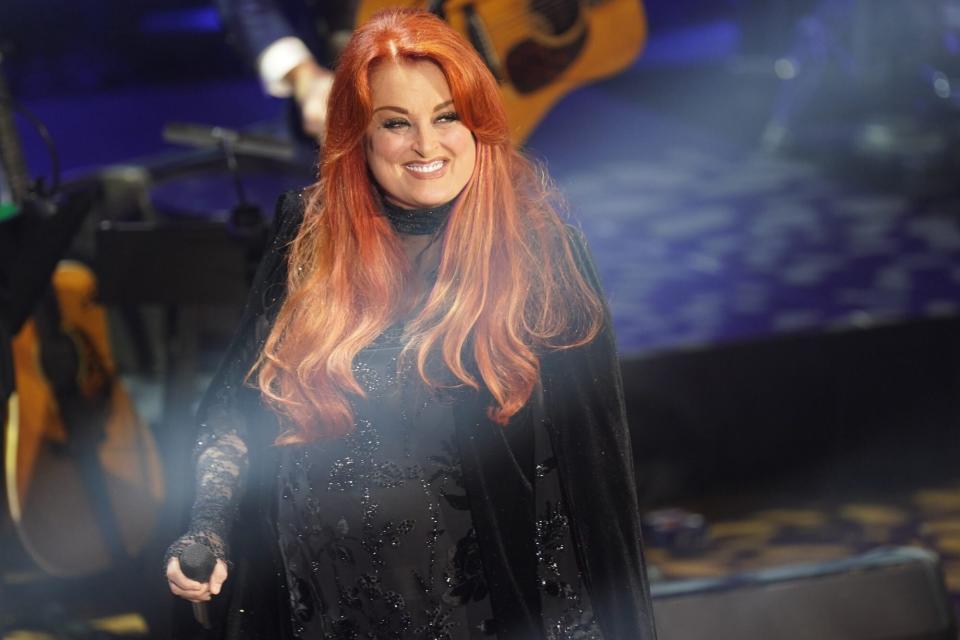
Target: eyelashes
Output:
{"points": [[398, 123]]}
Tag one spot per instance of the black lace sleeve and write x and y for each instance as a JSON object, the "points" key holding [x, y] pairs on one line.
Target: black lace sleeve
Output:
{"points": [[221, 449]]}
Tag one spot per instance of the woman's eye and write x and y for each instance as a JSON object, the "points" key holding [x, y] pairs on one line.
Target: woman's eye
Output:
{"points": [[450, 116], [394, 123]]}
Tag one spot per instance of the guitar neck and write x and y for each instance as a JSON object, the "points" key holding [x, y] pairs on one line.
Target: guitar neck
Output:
{"points": [[12, 164]]}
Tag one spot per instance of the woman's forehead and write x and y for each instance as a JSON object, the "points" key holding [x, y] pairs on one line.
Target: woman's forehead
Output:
{"points": [[408, 78]]}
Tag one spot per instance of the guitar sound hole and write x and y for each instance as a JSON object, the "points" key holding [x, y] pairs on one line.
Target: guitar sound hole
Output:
{"points": [[532, 66]]}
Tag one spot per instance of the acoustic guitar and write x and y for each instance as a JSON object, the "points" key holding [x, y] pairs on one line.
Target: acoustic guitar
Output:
{"points": [[540, 50], [81, 472], [83, 476], [84, 480]]}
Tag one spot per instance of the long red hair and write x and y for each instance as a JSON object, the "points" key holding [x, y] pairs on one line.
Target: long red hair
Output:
{"points": [[507, 286]]}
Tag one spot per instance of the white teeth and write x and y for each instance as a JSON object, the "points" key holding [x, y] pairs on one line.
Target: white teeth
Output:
{"points": [[425, 168]]}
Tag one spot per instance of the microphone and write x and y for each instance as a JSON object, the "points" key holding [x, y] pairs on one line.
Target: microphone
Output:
{"points": [[197, 563]]}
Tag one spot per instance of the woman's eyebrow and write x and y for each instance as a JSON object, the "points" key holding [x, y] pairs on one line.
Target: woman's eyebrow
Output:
{"points": [[387, 107]]}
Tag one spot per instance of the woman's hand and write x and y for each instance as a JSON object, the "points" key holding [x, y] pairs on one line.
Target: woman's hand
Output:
{"points": [[311, 89], [184, 587]]}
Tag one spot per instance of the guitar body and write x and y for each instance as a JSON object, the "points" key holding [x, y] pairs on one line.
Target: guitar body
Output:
{"points": [[540, 50], [65, 475]]}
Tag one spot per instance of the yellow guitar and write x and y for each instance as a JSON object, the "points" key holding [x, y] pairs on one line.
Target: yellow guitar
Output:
{"points": [[81, 472], [540, 49], [83, 477]]}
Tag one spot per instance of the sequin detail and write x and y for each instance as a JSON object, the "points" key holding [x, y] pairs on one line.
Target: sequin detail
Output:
{"points": [[375, 527], [566, 610]]}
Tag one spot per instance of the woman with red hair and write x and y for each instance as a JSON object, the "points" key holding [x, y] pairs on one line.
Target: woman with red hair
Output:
{"points": [[418, 431]]}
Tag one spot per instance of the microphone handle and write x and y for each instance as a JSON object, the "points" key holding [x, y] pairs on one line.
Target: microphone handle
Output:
{"points": [[197, 563], [201, 614]]}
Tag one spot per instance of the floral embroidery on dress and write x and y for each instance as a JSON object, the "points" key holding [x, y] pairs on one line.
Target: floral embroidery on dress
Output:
{"points": [[370, 514], [464, 574], [566, 609]]}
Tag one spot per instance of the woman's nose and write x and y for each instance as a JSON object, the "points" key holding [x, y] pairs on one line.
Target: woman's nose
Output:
{"points": [[426, 141]]}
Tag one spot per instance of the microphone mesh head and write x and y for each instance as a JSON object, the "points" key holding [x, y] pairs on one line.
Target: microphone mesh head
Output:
{"points": [[197, 562]]}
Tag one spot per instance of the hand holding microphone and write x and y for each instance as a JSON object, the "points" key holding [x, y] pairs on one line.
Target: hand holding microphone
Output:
{"points": [[196, 575]]}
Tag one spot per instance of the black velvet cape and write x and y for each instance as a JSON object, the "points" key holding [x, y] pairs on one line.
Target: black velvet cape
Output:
{"points": [[579, 401]]}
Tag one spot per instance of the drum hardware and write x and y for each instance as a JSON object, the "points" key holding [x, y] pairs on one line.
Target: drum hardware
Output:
{"points": [[246, 218]]}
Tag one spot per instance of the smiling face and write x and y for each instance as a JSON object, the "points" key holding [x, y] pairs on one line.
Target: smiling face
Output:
{"points": [[418, 151]]}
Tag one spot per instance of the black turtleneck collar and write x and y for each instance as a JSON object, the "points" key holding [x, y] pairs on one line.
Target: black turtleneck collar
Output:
{"points": [[417, 222]]}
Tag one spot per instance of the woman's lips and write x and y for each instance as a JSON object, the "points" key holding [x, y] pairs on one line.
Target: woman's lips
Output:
{"points": [[426, 170]]}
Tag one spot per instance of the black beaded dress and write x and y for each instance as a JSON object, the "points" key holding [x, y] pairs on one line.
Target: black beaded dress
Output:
{"points": [[375, 528], [422, 523]]}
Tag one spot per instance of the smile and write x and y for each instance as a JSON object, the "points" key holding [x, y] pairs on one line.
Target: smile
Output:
{"points": [[426, 169]]}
